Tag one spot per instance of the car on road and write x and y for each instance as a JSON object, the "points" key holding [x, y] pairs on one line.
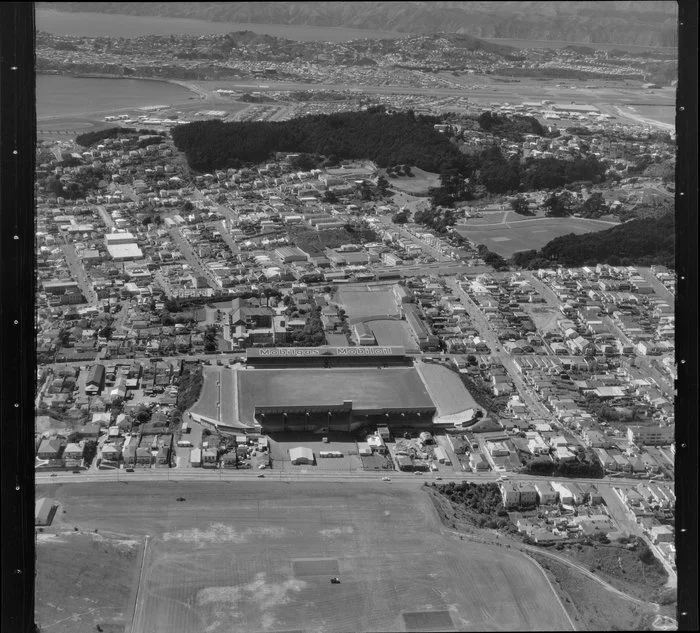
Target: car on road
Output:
{"points": [[418, 472], [383, 478], [260, 475], [54, 475], [438, 478], [335, 581], [181, 499]]}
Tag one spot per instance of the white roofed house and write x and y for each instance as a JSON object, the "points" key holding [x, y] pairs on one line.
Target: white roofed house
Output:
{"points": [[569, 494], [73, 455], [510, 494], [110, 453]]}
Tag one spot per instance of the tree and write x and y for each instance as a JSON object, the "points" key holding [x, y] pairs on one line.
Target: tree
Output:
{"points": [[595, 206], [382, 185], [558, 205], [365, 192], [400, 217], [330, 196], [210, 346], [520, 205]]}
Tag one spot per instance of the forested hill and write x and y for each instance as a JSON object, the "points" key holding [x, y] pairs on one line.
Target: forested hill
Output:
{"points": [[636, 243], [401, 138]]}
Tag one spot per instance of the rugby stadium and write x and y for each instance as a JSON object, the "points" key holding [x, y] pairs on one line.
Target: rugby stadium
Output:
{"points": [[332, 389]]}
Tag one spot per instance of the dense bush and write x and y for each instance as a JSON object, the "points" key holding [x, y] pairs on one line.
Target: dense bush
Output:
{"points": [[512, 128], [641, 242], [548, 468], [401, 138], [190, 387]]}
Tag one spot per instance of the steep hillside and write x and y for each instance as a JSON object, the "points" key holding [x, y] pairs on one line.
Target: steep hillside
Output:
{"points": [[636, 243]]}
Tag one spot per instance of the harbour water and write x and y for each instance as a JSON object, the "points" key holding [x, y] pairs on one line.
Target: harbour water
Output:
{"points": [[66, 96]]}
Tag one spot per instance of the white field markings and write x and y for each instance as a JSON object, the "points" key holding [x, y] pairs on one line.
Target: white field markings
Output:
{"points": [[137, 613]]}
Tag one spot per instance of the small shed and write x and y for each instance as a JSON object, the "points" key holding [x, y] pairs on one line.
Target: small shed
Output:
{"points": [[44, 510], [301, 455]]}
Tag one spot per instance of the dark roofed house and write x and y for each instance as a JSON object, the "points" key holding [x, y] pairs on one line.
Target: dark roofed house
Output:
{"points": [[95, 380], [260, 317], [51, 449]]}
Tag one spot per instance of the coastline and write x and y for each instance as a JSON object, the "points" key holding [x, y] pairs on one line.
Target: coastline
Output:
{"points": [[177, 82]]}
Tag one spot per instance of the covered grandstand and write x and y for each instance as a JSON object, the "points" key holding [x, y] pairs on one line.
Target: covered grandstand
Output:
{"points": [[327, 357], [337, 399]]}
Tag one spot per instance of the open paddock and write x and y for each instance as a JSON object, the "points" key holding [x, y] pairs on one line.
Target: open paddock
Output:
{"points": [[509, 238], [258, 556]]}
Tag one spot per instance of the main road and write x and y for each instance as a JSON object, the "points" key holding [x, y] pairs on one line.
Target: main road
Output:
{"points": [[185, 475]]}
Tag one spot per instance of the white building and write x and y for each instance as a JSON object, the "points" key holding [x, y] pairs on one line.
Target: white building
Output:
{"points": [[301, 455]]}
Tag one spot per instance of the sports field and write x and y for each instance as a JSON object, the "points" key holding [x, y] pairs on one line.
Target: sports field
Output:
{"points": [[523, 235], [360, 303], [258, 556], [418, 184], [368, 388]]}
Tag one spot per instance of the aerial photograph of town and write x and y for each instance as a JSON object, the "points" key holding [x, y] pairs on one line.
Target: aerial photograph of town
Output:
{"points": [[355, 316]]}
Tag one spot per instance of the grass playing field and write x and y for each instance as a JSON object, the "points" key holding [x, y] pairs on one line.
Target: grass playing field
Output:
{"points": [[523, 235], [364, 303], [368, 388], [419, 184], [258, 556]]}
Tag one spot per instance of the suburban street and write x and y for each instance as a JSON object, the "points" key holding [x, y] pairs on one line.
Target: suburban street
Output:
{"points": [[77, 271], [484, 328]]}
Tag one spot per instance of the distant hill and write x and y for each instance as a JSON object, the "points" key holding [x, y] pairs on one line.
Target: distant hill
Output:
{"points": [[636, 243], [650, 23]]}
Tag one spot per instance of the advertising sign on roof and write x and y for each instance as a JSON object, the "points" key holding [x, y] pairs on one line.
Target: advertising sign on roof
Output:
{"points": [[301, 352]]}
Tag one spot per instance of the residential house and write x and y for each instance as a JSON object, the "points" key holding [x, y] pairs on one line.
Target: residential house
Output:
{"points": [[209, 458], [51, 450], [546, 494], [73, 456], [95, 381]]}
